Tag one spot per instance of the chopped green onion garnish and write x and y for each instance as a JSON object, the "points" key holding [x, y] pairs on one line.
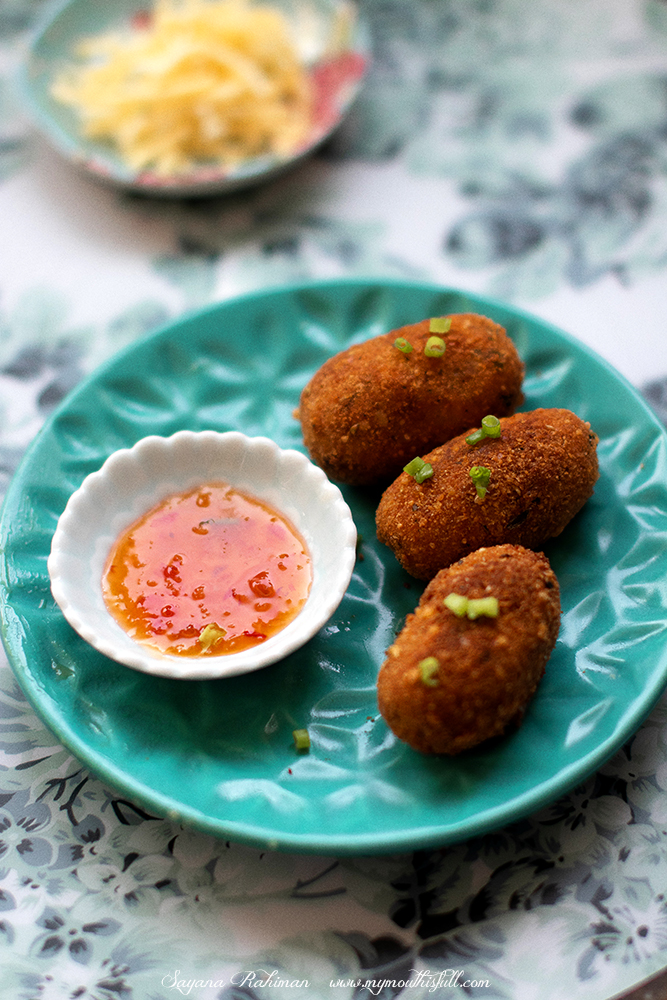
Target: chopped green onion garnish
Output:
{"points": [[487, 606], [435, 347], [210, 635], [490, 428], [456, 603], [428, 668], [480, 475], [403, 345], [473, 607], [439, 324], [476, 437], [413, 466], [301, 739], [418, 469], [425, 472]]}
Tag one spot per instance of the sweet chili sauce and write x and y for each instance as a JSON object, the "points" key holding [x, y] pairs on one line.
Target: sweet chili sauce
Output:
{"points": [[207, 572]]}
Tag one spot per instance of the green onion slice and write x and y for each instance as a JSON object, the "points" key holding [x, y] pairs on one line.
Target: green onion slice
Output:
{"points": [[480, 475], [301, 739], [210, 635], [418, 469], [425, 472], [439, 324], [428, 668], [402, 344], [456, 603], [471, 607], [476, 437], [487, 606], [490, 428], [435, 347]]}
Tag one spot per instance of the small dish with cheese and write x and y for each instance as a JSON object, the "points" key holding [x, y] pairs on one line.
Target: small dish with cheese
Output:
{"points": [[202, 555], [193, 97]]}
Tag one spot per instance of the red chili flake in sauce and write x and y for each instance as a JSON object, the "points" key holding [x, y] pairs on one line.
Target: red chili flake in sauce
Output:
{"points": [[207, 572]]}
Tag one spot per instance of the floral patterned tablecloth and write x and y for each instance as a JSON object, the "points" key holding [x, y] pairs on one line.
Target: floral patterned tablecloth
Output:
{"points": [[510, 148]]}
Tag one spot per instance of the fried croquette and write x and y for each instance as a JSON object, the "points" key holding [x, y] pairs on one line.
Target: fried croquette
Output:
{"points": [[370, 408], [522, 487], [451, 681]]}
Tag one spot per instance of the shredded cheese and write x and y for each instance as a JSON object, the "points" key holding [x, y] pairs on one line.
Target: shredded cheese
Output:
{"points": [[201, 82]]}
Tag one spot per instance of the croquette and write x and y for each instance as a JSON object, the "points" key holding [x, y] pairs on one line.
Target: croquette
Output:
{"points": [[370, 408], [522, 487], [449, 681]]}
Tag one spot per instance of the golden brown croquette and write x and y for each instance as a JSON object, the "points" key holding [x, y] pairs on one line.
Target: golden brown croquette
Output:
{"points": [[369, 409], [451, 682], [540, 472]]}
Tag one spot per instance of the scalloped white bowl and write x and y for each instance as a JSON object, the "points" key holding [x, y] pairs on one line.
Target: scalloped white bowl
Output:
{"points": [[133, 480]]}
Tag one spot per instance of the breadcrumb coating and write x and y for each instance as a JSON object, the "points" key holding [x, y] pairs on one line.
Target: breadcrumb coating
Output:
{"points": [[480, 674], [542, 470], [371, 408]]}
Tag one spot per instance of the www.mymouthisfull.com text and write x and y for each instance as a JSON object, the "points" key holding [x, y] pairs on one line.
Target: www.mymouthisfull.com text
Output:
{"points": [[423, 979]]}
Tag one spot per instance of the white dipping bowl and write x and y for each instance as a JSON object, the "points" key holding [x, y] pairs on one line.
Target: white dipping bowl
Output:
{"points": [[134, 480]]}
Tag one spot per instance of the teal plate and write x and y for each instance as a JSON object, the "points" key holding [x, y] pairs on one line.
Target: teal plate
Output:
{"points": [[219, 754]]}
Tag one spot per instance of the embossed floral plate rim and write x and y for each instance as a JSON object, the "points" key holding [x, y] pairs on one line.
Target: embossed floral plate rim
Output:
{"points": [[221, 756]]}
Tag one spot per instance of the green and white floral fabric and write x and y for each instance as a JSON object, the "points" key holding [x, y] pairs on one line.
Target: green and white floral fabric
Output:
{"points": [[511, 148]]}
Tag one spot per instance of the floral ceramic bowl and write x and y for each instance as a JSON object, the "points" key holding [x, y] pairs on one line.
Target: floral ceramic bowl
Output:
{"points": [[332, 42], [133, 480]]}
